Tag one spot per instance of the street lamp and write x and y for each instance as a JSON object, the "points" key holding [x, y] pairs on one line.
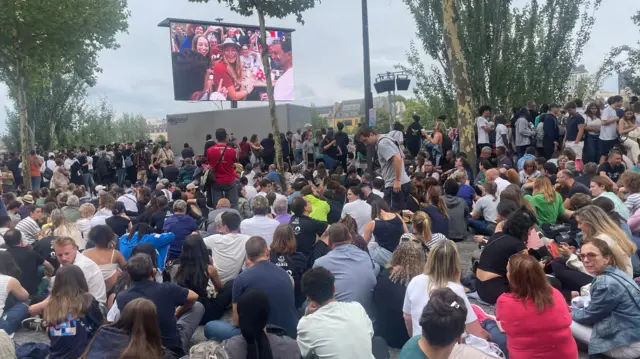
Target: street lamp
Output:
{"points": [[389, 82]]}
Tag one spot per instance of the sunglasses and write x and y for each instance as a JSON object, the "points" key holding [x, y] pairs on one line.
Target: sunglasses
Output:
{"points": [[590, 256]]}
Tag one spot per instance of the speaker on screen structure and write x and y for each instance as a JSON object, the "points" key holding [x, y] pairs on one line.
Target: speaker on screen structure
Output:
{"points": [[385, 85], [402, 82]]}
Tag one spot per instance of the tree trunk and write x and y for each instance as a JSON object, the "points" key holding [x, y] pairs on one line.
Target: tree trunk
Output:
{"points": [[272, 102], [22, 106], [460, 81]]}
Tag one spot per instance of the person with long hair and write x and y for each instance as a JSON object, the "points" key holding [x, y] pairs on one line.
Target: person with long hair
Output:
{"points": [[196, 273], [119, 222], [110, 261], [11, 318], [492, 267], [595, 223], [229, 72], [436, 209], [106, 203], [592, 128], [627, 130], [386, 227], [529, 174], [284, 254], [356, 239], [407, 261], [485, 211], [603, 187], [63, 228], [422, 229], [72, 314], [548, 203], [532, 312], [442, 270], [610, 324], [135, 335]]}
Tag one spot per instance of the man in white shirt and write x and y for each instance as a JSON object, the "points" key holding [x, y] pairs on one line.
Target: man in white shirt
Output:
{"points": [[483, 127], [494, 175], [260, 224], [609, 126], [282, 57], [502, 133], [332, 329], [67, 253], [357, 208], [129, 199], [228, 249]]}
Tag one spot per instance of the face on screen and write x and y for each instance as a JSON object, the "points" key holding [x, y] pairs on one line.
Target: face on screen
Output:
{"points": [[243, 77]]}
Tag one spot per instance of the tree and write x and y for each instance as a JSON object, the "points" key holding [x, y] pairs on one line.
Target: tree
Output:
{"points": [[278, 9], [41, 37], [625, 60], [513, 55], [317, 122], [458, 63]]}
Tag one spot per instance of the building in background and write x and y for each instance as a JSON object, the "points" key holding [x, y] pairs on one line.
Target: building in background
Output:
{"points": [[351, 112], [576, 75], [157, 128]]}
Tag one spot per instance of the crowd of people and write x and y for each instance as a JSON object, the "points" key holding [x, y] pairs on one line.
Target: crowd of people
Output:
{"points": [[123, 252]]}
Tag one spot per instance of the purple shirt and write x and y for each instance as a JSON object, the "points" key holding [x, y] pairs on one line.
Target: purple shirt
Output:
{"points": [[284, 218]]}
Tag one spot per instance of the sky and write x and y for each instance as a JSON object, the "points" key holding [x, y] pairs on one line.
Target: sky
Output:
{"points": [[136, 78]]}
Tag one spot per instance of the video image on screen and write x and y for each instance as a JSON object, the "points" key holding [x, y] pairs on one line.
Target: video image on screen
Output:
{"points": [[220, 63]]}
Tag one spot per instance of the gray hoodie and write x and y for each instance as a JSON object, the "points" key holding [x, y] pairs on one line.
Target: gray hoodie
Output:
{"points": [[458, 211]]}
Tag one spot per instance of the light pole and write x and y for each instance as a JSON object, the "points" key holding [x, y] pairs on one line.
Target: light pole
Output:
{"points": [[389, 82], [368, 95]]}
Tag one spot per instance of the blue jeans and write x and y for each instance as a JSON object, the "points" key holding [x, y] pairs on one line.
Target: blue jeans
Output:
{"points": [[481, 226], [12, 318], [329, 162], [497, 336], [87, 178], [592, 145], [35, 182], [220, 330], [297, 156], [121, 173]]}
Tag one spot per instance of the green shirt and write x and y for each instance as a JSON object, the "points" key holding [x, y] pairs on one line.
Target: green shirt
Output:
{"points": [[411, 349], [547, 212], [319, 208]]}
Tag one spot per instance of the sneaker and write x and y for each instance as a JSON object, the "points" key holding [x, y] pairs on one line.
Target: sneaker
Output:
{"points": [[481, 314], [33, 323]]}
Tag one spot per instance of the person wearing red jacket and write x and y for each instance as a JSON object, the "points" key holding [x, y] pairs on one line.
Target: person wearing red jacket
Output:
{"points": [[221, 158]]}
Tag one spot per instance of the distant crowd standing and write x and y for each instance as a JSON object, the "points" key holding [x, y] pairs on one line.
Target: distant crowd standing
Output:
{"points": [[123, 251]]}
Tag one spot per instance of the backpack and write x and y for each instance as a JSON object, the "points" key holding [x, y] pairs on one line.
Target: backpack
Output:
{"points": [[208, 350], [128, 162], [47, 174]]}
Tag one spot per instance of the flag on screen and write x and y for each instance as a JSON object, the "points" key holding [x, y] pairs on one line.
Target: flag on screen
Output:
{"points": [[275, 34]]}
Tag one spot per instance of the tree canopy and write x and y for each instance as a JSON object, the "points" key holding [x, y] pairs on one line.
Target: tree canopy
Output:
{"points": [[625, 60], [513, 55]]}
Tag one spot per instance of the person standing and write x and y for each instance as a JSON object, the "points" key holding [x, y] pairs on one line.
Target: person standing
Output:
{"points": [[221, 158], [483, 128], [35, 163], [573, 137], [413, 137], [342, 140], [550, 131], [397, 185], [297, 142], [609, 126], [524, 133]]}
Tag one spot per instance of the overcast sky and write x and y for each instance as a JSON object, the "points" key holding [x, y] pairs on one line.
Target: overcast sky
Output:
{"points": [[327, 50]]}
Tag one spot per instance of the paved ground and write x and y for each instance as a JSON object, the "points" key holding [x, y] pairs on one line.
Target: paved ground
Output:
{"points": [[465, 248]]}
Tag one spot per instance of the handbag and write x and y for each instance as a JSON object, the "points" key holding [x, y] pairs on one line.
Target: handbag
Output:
{"points": [[210, 174]]}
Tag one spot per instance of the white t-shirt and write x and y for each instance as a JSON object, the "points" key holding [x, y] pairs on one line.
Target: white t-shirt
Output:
{"points": [[501, 183], [488, 208], [337, 330], [93, 275], [228, 253], [417, 297], [483, 136], [609, 132], [283, 90], [130, 202], [501, 130], [360, 211], [259, 226]]}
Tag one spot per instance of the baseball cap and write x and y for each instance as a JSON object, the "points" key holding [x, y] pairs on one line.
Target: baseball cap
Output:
{"points": [[191, 186], [139, 184], [100, 188]]}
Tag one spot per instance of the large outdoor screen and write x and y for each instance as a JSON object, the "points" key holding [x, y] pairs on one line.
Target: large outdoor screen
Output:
{"points": [[220, 63]]}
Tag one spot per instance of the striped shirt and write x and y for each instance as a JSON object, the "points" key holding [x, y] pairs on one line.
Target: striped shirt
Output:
{"points": [[435, 239], [633, 203], [29, 229]]}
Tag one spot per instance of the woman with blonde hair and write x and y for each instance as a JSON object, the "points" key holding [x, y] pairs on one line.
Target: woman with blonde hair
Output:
{"points": [[106, 203], [63, 228], [465, 192], [595, 223], [548, 203], [442, 270], [71, 309], [229, 72], [87, 211], [135, 335], [421, 225], [407, 261]]}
